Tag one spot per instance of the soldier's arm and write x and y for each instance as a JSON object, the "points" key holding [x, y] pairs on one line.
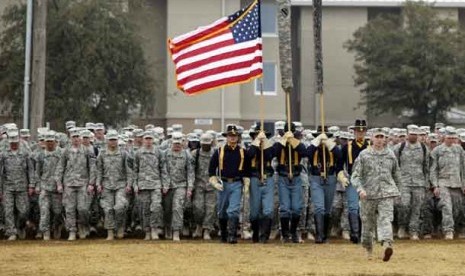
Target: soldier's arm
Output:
{"points": [[60, 170], [136, 170], [30, 171], [190, 171], [357, 174], [213, 164], [395, 171], [129, 172], [165, 176], [38, 170], [92, 169], [99, 170], [426, 164], [433, 172]]}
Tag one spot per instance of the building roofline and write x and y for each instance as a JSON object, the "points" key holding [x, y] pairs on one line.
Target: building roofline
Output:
{"points": [[377, 3]]}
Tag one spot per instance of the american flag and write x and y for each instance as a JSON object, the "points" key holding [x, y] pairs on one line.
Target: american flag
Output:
{"points": [[226, 52]]}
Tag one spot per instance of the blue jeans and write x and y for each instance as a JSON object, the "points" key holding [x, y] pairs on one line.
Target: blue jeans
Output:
{"points": [[352, 200], [322, 193], [290, 197], [229, 200], [261, 198]]}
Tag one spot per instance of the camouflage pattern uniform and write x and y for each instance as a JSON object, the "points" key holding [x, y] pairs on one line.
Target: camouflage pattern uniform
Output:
{"points": [[204, 197], [76, 171], [446, 172], [177, 176], [113, 175], [147, 180], [49, 199], [17, 175], [414, 175], [376, 173]]}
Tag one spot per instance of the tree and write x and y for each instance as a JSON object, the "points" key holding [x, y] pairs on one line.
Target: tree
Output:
{"points": [[96, 69], [413, 63]]}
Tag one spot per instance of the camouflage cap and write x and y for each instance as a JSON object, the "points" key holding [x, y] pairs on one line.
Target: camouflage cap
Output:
{"points": [[413, 129], [433, 137], [378, 131], [13, 135], [148, 134], [169, 131], [177, 137], [149, 126], [425, 129], [50, 136], [99, 126], [138, 132], [299, 126], [41, 136], [192, 137], [73, 132], [85, 133], [198, 132], [70, 124], [24, 132], [450, 131], [279, 125], [111, 135], [177, 128], [439, 125], [206, 139], [401, 132]]}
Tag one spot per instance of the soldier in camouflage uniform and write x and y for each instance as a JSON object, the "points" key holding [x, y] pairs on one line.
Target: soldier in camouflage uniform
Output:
{"points": [[134, 216], [147, 186], [178, 182], [50, 199], [17, 180], [204, 197], [114, 180], [375, 176], [413, 159], [446, 172], [76, 171]]}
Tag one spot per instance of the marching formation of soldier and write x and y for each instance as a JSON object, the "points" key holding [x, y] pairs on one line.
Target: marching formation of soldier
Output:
{"points": [[361, 183]]}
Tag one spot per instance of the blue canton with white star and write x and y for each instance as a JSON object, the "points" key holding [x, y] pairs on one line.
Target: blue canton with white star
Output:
{"points": [[248, 28]]}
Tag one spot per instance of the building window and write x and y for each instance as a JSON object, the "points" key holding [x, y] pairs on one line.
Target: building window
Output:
{"points": [[269, 18], [269, 79]]}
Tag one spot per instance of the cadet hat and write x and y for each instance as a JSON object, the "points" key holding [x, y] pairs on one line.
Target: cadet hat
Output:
{"points": [[73, 132], [177, 128], [99, 126], [360, 125], [255, 129], [111, 135], [192, 137], [90, 126], [176, 137], [138, 132], [148, 134], [13, 135], [206, 139], [149, 126], [50, 136], [439, 125], [85, 133], [378, 131], [231, 129], [23, 133], [450, 131], [433, 137], [279, 125], [198, 132], [70, 124], [413, 129], [425, 129]]}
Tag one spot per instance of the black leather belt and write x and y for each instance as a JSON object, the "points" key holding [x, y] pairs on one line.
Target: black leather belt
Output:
{"points": [[231, 180]]}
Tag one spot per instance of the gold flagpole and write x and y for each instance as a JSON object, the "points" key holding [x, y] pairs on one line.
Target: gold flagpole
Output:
{"points": [[262, 123], [288, 107]]}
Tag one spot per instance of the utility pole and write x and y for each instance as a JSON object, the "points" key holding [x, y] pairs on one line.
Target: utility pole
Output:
{"points": [[39, 60]]}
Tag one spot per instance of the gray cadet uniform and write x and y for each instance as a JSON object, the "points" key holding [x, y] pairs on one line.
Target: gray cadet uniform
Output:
{"points": [[413, 161], [76, 171], [17, 175], [114, 175], [376, 173], [446, 172], [49, 199], [147, 181], [177, 177]]}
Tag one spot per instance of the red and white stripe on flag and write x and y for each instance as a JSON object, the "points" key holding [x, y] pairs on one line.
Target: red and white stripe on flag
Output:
{"points": [[226, 52]]}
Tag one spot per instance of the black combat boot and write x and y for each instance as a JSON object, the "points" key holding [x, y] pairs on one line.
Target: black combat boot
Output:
{"points": [[294, 224], [255, 224], [319, 230], [224, 230], [232, 230], [285, 229], [326, 227], [354, 228], [265, 225]]}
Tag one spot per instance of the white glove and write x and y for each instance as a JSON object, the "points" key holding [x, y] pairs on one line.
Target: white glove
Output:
{"points": [[286, 137], [330, 144], [341, 177], [261, 135], [317, 141], [214, 182]]}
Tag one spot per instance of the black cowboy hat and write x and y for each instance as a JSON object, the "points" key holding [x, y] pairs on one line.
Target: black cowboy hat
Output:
{"points": [[360, 125], [257, 129], [286, 127], [231, 129], [319, 131]]}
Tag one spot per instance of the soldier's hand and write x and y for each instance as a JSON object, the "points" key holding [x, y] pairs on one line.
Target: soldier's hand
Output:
{"points": [[261, 135], [99, 189], [37, 190], [136, 189], [90, 189], [59, 188], [341, 177], [288, 135], [31, 191], [128, 189], [189, 193], [362, 194], [436, 192], [164, 191]]}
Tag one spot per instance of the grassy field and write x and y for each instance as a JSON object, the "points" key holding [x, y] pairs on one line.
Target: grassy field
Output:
{"points": [[135, 257]]}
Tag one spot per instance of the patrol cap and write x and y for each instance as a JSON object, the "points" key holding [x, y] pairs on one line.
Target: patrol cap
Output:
{"points": [[206, 139], [138, 132], [176, 137], [24, 132], [425, 129], [70, 124], [90, 126], [85, 133], [413, 129], [460, 130], [401, 132], [198, 132], [111, 135], [169, 131], [433, 137], [177, 128], [462, 137], [442, 130], [13, 135], [378, 131], [212, 133], [148, 134], [99, 126], [451, 132], [192, 137], [279, 125], [439, 125], [50, 136], [149, 126], [73, 132], [41, 136]]}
